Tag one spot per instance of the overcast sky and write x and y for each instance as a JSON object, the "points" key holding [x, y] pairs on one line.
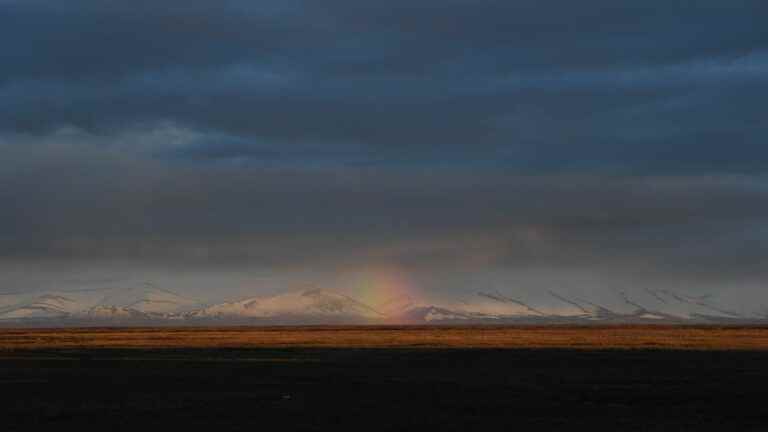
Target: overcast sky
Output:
{"points": [[512, 143]]}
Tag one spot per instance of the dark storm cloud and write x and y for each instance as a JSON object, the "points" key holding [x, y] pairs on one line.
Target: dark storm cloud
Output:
{"points": [[654, 86], [436, 135]]}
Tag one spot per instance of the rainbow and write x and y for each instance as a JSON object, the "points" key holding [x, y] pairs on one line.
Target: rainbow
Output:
{"points": [[383, 288]]}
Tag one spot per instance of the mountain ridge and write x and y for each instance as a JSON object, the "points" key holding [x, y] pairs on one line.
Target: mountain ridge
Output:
{"points": [[147, 303]]}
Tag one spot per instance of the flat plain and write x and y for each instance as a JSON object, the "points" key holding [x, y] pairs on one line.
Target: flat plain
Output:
{"points": [[458, 337], [628, 378]]}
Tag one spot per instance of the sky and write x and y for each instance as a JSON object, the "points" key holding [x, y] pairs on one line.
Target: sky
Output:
{"points": [[236, 147]]}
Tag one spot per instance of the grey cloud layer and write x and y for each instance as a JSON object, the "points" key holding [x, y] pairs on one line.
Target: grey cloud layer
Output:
{"points": [[600, 135], [86, 202], [654, 86]]}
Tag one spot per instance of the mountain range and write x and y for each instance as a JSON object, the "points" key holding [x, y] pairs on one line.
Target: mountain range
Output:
{"points": [[148, 304]]}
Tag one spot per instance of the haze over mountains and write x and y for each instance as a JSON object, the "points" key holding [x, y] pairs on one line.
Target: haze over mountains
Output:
{"points": [[148, 304]]}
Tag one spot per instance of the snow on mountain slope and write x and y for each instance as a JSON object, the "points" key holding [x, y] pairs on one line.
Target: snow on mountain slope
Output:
{"points": [[114, 313], [647, 304], [315, 303], [150, 299], [83, 302], [673, 303], [48, 305], [516, 305], [497, 303], [438, 314]]}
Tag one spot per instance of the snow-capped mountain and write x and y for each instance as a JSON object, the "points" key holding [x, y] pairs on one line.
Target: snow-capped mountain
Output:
{"points": [[144, 302], [304, 304], [646, 305], [150, 299], [437, 314], [44, 306], [114, 313]]}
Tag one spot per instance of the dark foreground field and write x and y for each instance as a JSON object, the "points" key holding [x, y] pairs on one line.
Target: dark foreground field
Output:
{"points": [[276, 386]]}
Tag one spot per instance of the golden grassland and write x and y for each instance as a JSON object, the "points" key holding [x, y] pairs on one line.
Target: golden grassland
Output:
{"points": [[567, 337]]}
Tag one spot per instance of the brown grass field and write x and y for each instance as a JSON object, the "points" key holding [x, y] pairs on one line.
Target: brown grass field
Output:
{"points": [[567, 337], [621, 378]]}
